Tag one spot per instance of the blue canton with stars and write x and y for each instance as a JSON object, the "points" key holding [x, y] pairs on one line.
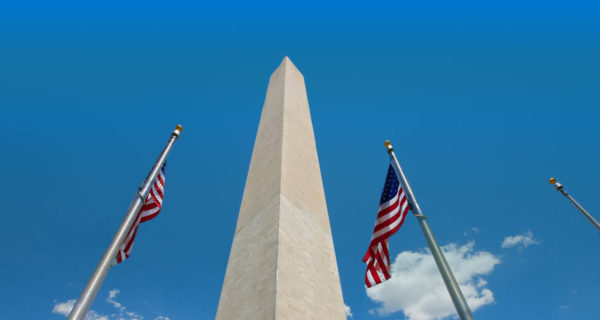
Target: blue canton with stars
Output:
{"points": [[390, 189]]}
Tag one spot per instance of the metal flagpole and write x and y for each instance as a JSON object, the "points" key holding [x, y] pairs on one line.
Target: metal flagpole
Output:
{"points": [[586, 214], [462, 308], [88, 294]]}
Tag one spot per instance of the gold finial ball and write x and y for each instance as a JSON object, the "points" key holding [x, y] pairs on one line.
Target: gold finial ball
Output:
{"points": [[552, 181], [387, 143], [178, 128]]}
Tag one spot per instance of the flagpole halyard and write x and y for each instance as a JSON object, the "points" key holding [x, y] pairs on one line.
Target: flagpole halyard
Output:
{"points": [[560, 188], [88, 294], [462, 308]]}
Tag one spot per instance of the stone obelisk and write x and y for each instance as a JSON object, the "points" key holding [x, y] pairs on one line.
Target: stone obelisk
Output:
{"points": [[282, 264]]}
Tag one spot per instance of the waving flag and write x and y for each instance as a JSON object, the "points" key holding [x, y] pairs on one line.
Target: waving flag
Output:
{"points": [[149, 210], [393, 207]]}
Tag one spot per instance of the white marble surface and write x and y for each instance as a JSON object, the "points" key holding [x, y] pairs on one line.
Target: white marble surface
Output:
{"points": [[282, 263]]}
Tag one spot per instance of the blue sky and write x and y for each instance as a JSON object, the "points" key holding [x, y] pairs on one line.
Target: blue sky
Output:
{"points": [[482, 101]]}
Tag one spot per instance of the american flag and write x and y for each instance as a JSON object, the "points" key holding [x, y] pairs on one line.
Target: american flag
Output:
{"points": [[149, 210], [393, 207]]}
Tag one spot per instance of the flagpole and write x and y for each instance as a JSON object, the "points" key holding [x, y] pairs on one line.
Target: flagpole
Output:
{"points": [[559, 187], [88, 294], [462, 308]]}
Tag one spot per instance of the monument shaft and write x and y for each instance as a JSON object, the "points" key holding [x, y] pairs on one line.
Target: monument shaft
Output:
{"points": [[282, 263]]}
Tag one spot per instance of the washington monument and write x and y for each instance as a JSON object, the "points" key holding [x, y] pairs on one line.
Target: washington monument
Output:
{"points": [[282, 263]]}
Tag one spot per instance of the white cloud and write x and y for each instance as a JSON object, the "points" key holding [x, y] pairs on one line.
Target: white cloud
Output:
{"points": [[520, 241], [473, 230], [92, 315], [348, 311], [63, 308], [566, 306], [122, 315], [416, 287], [112, 294]]}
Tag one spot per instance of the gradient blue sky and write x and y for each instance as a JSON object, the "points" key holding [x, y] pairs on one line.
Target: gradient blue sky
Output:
{"points": [[483, 101]]}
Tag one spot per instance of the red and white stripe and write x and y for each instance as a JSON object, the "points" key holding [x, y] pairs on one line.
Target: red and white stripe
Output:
{"points": [[150, 209], [389, 219]]}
